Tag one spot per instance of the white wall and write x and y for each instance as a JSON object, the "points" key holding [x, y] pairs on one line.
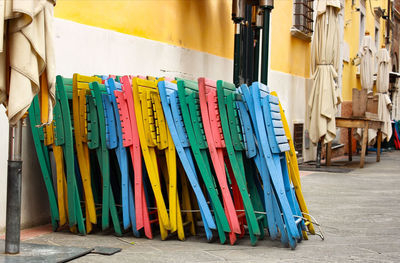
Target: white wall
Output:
{"points": [[89, 50], [293, 92]]}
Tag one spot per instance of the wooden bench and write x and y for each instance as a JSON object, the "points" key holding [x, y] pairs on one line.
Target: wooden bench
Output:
{"points": [[350, 123]]}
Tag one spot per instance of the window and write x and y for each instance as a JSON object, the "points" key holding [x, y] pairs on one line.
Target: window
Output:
{"points": [[377, 37], [377, 32], [303, 13], [298, 131]]}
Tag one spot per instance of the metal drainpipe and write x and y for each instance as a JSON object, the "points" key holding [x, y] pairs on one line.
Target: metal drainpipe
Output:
{"points": [[388, 25], [14, 182], [267, 6]]}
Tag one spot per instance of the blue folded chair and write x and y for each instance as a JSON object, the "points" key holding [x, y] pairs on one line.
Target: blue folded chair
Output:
{"points": [[253, 150], [260, 94], [279, 145], [268, 145]]}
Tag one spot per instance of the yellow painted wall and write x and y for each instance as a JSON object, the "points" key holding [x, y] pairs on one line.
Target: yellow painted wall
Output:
{"points": [[203, 25], [288, 54], [351, 36]]}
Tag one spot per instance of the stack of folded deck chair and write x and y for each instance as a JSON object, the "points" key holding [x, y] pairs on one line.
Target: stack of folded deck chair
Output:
{"points": [[151, 156]]}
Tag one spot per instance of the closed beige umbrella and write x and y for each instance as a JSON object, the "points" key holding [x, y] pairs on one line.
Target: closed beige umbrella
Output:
{"points": [[27, 27], [367, 66], [325, 57], [384, 115], [382, 87], [26, 68], [382, 79], [366, 54]]}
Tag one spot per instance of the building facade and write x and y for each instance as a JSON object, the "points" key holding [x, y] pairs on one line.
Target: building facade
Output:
{"points": [[360, 17], [189, 39]]}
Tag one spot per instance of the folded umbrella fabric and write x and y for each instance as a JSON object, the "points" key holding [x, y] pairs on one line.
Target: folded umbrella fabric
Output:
{"points": [[26, 54], [384, 115], [324, 97]]}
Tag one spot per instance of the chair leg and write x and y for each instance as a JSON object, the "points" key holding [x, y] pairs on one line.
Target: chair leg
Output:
{"points": [[328, 153], [364, 145], [350, 140], [378, 148]]}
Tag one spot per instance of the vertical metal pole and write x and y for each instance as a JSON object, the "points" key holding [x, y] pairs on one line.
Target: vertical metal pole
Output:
{"points": [[250, 46], [256, 53], [319, 148], [265, 46], [14, 182], [236, 58], [245, 48], [238, 15], [267, 6], [257, 25], [387, 38]]}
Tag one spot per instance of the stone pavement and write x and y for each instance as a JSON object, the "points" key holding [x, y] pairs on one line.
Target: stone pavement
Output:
{"points": [[359, 212]]}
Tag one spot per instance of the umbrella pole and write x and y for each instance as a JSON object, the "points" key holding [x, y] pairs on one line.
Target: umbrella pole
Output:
{"points": [[257, 23], [236, 58], [319, 147], [267, 6], [250, 45], [14, 182], [245, 48]]}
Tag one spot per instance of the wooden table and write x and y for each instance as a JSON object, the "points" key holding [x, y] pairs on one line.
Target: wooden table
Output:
{"points": [[364, 123]]}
